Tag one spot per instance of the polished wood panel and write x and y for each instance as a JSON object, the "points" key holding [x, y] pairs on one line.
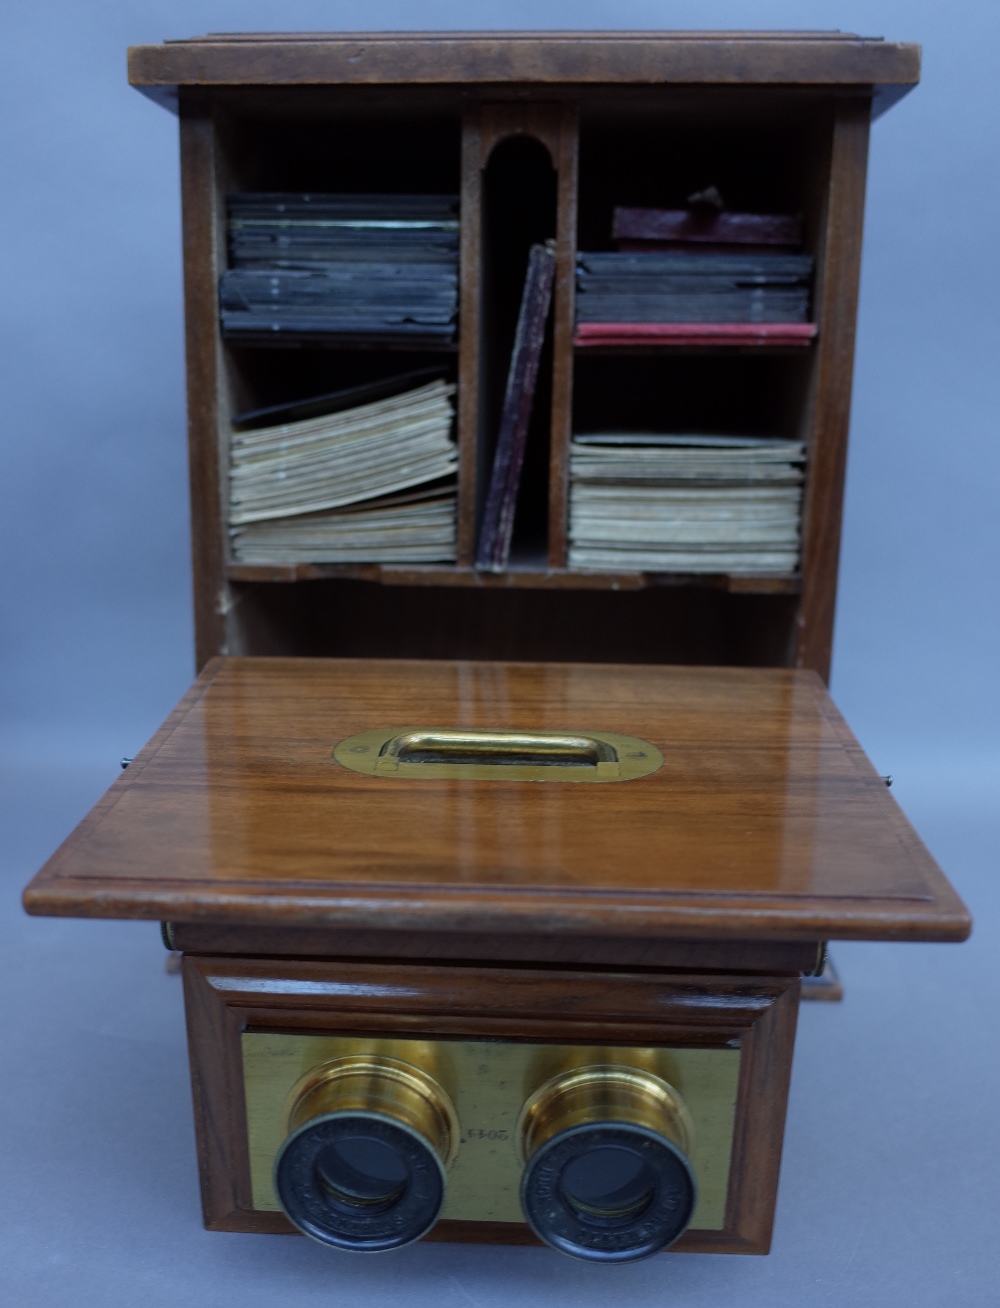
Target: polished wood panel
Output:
{"points": [[226, 996], [765, 821]]}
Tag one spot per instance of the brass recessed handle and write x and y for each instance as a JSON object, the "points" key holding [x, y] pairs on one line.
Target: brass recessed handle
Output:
{"points": [[500, 748], [500, 754]]}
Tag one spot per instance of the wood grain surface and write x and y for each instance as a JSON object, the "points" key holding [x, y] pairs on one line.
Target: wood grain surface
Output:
{"points": [[765, 820], [539, 58]]}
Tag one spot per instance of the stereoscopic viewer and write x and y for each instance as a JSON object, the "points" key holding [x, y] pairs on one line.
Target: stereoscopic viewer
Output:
{"points": [[491, 950], [498, 952]]}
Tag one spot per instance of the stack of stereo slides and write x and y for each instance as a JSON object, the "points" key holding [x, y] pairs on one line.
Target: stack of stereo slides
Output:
{"points": [[693, 286], [373, 483], [379, 267], [672, 503]]}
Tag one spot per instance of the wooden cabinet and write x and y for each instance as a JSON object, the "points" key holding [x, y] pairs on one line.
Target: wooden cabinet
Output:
{"points": [[378, 865], [541, 136]]}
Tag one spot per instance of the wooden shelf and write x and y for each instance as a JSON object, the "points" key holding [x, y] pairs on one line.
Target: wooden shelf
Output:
{"points": [[525, 577]]}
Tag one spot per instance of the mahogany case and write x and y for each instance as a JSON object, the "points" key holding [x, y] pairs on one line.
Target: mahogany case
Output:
{"points": [[668, 916]]}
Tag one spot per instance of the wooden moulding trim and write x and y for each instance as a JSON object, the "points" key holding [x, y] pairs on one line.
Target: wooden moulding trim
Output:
{"points": [[213, 1031], [546, 58], [762, 1101], [489, 910], [227, 996], [765, 956]]}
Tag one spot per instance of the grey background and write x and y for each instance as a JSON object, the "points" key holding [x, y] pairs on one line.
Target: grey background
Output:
{"points": [[889, 1191]]}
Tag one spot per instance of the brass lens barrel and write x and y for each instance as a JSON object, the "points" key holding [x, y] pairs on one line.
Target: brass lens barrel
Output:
{"points": [[606, 1174], [364, 1164]]}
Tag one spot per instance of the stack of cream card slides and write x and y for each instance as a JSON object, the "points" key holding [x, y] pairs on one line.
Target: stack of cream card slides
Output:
{"points": [[373, 483], [674, 503]]}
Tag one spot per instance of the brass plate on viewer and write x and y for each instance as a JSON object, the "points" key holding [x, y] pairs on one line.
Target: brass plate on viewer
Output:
{"points": [[488, 1081]]}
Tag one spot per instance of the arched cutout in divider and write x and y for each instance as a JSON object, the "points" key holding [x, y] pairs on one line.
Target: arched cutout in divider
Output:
{"points": [[518, 209]]}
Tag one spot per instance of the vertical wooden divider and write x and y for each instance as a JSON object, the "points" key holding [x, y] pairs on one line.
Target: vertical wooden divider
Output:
{"points": [[203, 234], [838, 271], [470, 332], [555, 126], [567, 166]]}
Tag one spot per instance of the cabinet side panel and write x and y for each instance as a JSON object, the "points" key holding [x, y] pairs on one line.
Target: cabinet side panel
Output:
{"points": [[838, 272], [204, 243]]}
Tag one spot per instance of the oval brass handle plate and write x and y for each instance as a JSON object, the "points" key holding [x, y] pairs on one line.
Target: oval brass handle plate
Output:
{"points": [[475, 754]]}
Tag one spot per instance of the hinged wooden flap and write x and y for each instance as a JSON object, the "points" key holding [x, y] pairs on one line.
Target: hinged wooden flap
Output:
{"points": [[765, 819]]}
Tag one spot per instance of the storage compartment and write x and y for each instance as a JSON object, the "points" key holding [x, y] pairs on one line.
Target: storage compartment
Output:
{"points": [[347, 618], [528, 169], [663, 391], [757, 148], [397, 147], [260, 377], [519, 210]]}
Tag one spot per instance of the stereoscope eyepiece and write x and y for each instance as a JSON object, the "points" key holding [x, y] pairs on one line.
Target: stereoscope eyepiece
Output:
{"points": [[607, 1176], [364, 1164]]}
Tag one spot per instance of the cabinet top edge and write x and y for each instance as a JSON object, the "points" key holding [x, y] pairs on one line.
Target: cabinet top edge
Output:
{"points": [[532, 58]]}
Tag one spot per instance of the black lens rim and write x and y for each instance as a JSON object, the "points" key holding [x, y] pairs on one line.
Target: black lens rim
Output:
{"points": [[309, 1206], [658, 1225]]}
